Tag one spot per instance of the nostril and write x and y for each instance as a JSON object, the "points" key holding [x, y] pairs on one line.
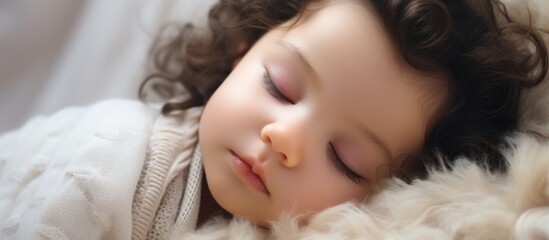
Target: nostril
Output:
{"points": [[266, 139], [288, 162]]}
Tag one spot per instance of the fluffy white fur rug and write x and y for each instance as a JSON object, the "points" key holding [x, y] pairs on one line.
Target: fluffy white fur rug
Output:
{"points": [[465, 203]]}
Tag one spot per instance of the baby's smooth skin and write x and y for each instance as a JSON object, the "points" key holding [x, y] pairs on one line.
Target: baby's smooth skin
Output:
{"points": [[313, 115]]}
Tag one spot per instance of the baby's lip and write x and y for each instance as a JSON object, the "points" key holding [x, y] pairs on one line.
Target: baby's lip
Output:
{"points": [[257, 169], [255, 166]]}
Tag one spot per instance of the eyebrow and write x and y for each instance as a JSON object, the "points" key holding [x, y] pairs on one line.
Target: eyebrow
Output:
{"points": [[299, 54]]}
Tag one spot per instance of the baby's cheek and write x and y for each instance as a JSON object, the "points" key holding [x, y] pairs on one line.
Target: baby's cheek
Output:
{"points": [[320, 192]]}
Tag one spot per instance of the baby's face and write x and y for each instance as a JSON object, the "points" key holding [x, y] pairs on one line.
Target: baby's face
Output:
{"points": [[314, 115]]}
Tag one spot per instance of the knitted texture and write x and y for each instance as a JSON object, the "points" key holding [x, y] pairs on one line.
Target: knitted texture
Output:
{"points": [[188, 212], [73, 175], [167, 211], [169, 153]]}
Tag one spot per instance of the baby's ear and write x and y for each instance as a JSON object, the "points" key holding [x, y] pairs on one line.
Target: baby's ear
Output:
{"points": [[241, 51]]}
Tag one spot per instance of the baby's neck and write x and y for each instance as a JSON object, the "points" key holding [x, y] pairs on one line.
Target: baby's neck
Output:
{"points": [[208, 206]]}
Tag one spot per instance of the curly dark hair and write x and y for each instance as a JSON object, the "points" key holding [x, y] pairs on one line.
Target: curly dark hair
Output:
{"points": [[489, 58]]}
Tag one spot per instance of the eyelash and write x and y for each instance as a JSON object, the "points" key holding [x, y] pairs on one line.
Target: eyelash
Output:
{"points": [[342, 167], [273, 90]]}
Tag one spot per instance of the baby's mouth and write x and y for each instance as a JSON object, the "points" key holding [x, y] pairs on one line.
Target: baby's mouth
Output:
{"points": [[249, 173]]}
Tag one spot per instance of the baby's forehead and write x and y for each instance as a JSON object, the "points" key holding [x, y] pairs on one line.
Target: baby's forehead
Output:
{"points": [[352, 40]]}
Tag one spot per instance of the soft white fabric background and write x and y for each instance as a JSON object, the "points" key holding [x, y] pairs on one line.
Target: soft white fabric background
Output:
{"points": [[56, 53]]}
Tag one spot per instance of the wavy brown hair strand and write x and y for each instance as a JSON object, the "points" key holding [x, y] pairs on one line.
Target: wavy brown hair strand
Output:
{"points": [[490, 64], [201, 61]]}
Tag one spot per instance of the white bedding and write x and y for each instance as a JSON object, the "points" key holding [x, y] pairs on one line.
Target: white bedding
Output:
{"points": [[56, 53]]}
